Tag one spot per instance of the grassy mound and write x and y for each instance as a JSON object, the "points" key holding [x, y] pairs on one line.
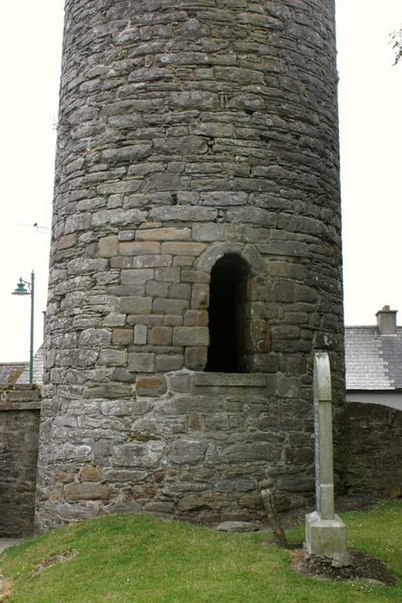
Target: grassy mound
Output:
{"points": [[141, 558]]}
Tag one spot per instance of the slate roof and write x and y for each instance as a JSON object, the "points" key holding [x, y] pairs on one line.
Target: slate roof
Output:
{"points": [[373, 361], [38, 362], [18, 372], [10, 372]]}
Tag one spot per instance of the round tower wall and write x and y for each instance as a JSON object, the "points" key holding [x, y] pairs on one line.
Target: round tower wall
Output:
{"points": [[191, 135]]}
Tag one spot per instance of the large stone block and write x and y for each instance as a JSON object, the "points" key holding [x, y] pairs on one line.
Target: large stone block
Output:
{"points": [[141, 362], [193, 502], [108, 390], [140, 455], [161, 336], [108, 246], [188, 452], [165, 363], [113, 357], [136, 277], [153, 386], [122, 336], [127, 154], [183, 248], [139, 248], [86, 491], [164, 234], [191, 336], [135, 304], [170, 306]]}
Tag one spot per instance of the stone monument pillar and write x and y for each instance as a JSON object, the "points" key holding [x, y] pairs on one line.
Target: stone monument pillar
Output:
{"points": [[325, 531], [196, 256]]}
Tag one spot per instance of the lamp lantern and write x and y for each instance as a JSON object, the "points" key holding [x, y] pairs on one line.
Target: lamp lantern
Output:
{"points": [[28, 288]]}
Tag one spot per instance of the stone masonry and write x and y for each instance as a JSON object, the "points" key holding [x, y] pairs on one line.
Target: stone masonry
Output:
{"points": [[196, 257], [19, 435]]}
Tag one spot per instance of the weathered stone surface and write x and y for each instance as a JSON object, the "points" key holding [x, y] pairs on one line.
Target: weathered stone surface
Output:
{"points": [[108, 390], [188, 452], [190, 336], [139, 248], [188, 137], [192, 502], [127, 154], [135, 305], [122, 336], [164, 234], [165, 363], [142, 456], [19, 435], [141, 362], [86, 491], [91, 474], [373, 454], [151, 385], [113, 357], [140, 334], [108, 246], [237, 526], [190, 482]]}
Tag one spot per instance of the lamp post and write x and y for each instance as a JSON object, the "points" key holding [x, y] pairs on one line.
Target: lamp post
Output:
{"points": [[28, 288]]}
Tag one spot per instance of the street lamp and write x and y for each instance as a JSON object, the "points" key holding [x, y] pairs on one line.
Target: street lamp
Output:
{"points": [[28, 288]]}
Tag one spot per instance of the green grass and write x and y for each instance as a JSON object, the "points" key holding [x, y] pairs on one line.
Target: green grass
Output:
{"points": [[140, 558]]}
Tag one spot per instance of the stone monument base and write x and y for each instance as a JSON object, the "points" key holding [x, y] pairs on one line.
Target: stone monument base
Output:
{"points": [[325, 536]]}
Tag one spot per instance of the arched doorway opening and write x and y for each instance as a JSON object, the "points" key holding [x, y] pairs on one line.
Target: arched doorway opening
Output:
{"points": [[228, 321]]}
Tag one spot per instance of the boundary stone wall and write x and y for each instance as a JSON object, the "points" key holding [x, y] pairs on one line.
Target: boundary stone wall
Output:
{"points": [[373, 450], [19, 437]]}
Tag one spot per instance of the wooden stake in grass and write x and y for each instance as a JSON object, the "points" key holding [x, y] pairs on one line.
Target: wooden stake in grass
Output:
{"points": [[268, 498]]}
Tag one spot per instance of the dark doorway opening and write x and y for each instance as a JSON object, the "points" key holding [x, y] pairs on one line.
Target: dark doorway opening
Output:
{"points": [[227, 315]]}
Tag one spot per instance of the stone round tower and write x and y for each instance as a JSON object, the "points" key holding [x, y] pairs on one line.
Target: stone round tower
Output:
{"points": [[196, 257]]}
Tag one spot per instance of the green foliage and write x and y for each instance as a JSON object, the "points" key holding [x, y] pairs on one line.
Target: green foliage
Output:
{"points": [[140, 558], [396, 43]]}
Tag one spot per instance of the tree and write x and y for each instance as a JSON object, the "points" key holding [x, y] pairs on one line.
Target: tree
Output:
{"points": [[396, 43]]}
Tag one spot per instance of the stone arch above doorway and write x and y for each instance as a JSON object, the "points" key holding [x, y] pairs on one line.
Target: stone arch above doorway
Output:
{"points": [[217, 250]]}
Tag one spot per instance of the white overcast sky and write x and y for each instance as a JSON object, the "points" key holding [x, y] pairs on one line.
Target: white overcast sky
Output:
{"points": [[370, 98]]}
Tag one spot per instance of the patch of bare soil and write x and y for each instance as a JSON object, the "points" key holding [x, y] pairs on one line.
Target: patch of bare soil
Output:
{"points": [[5, 589], [358, 566], [53, 560]]}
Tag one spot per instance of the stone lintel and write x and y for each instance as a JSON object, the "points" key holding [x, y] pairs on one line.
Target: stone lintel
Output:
{"points": [[325, 537], [14, 406]]}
